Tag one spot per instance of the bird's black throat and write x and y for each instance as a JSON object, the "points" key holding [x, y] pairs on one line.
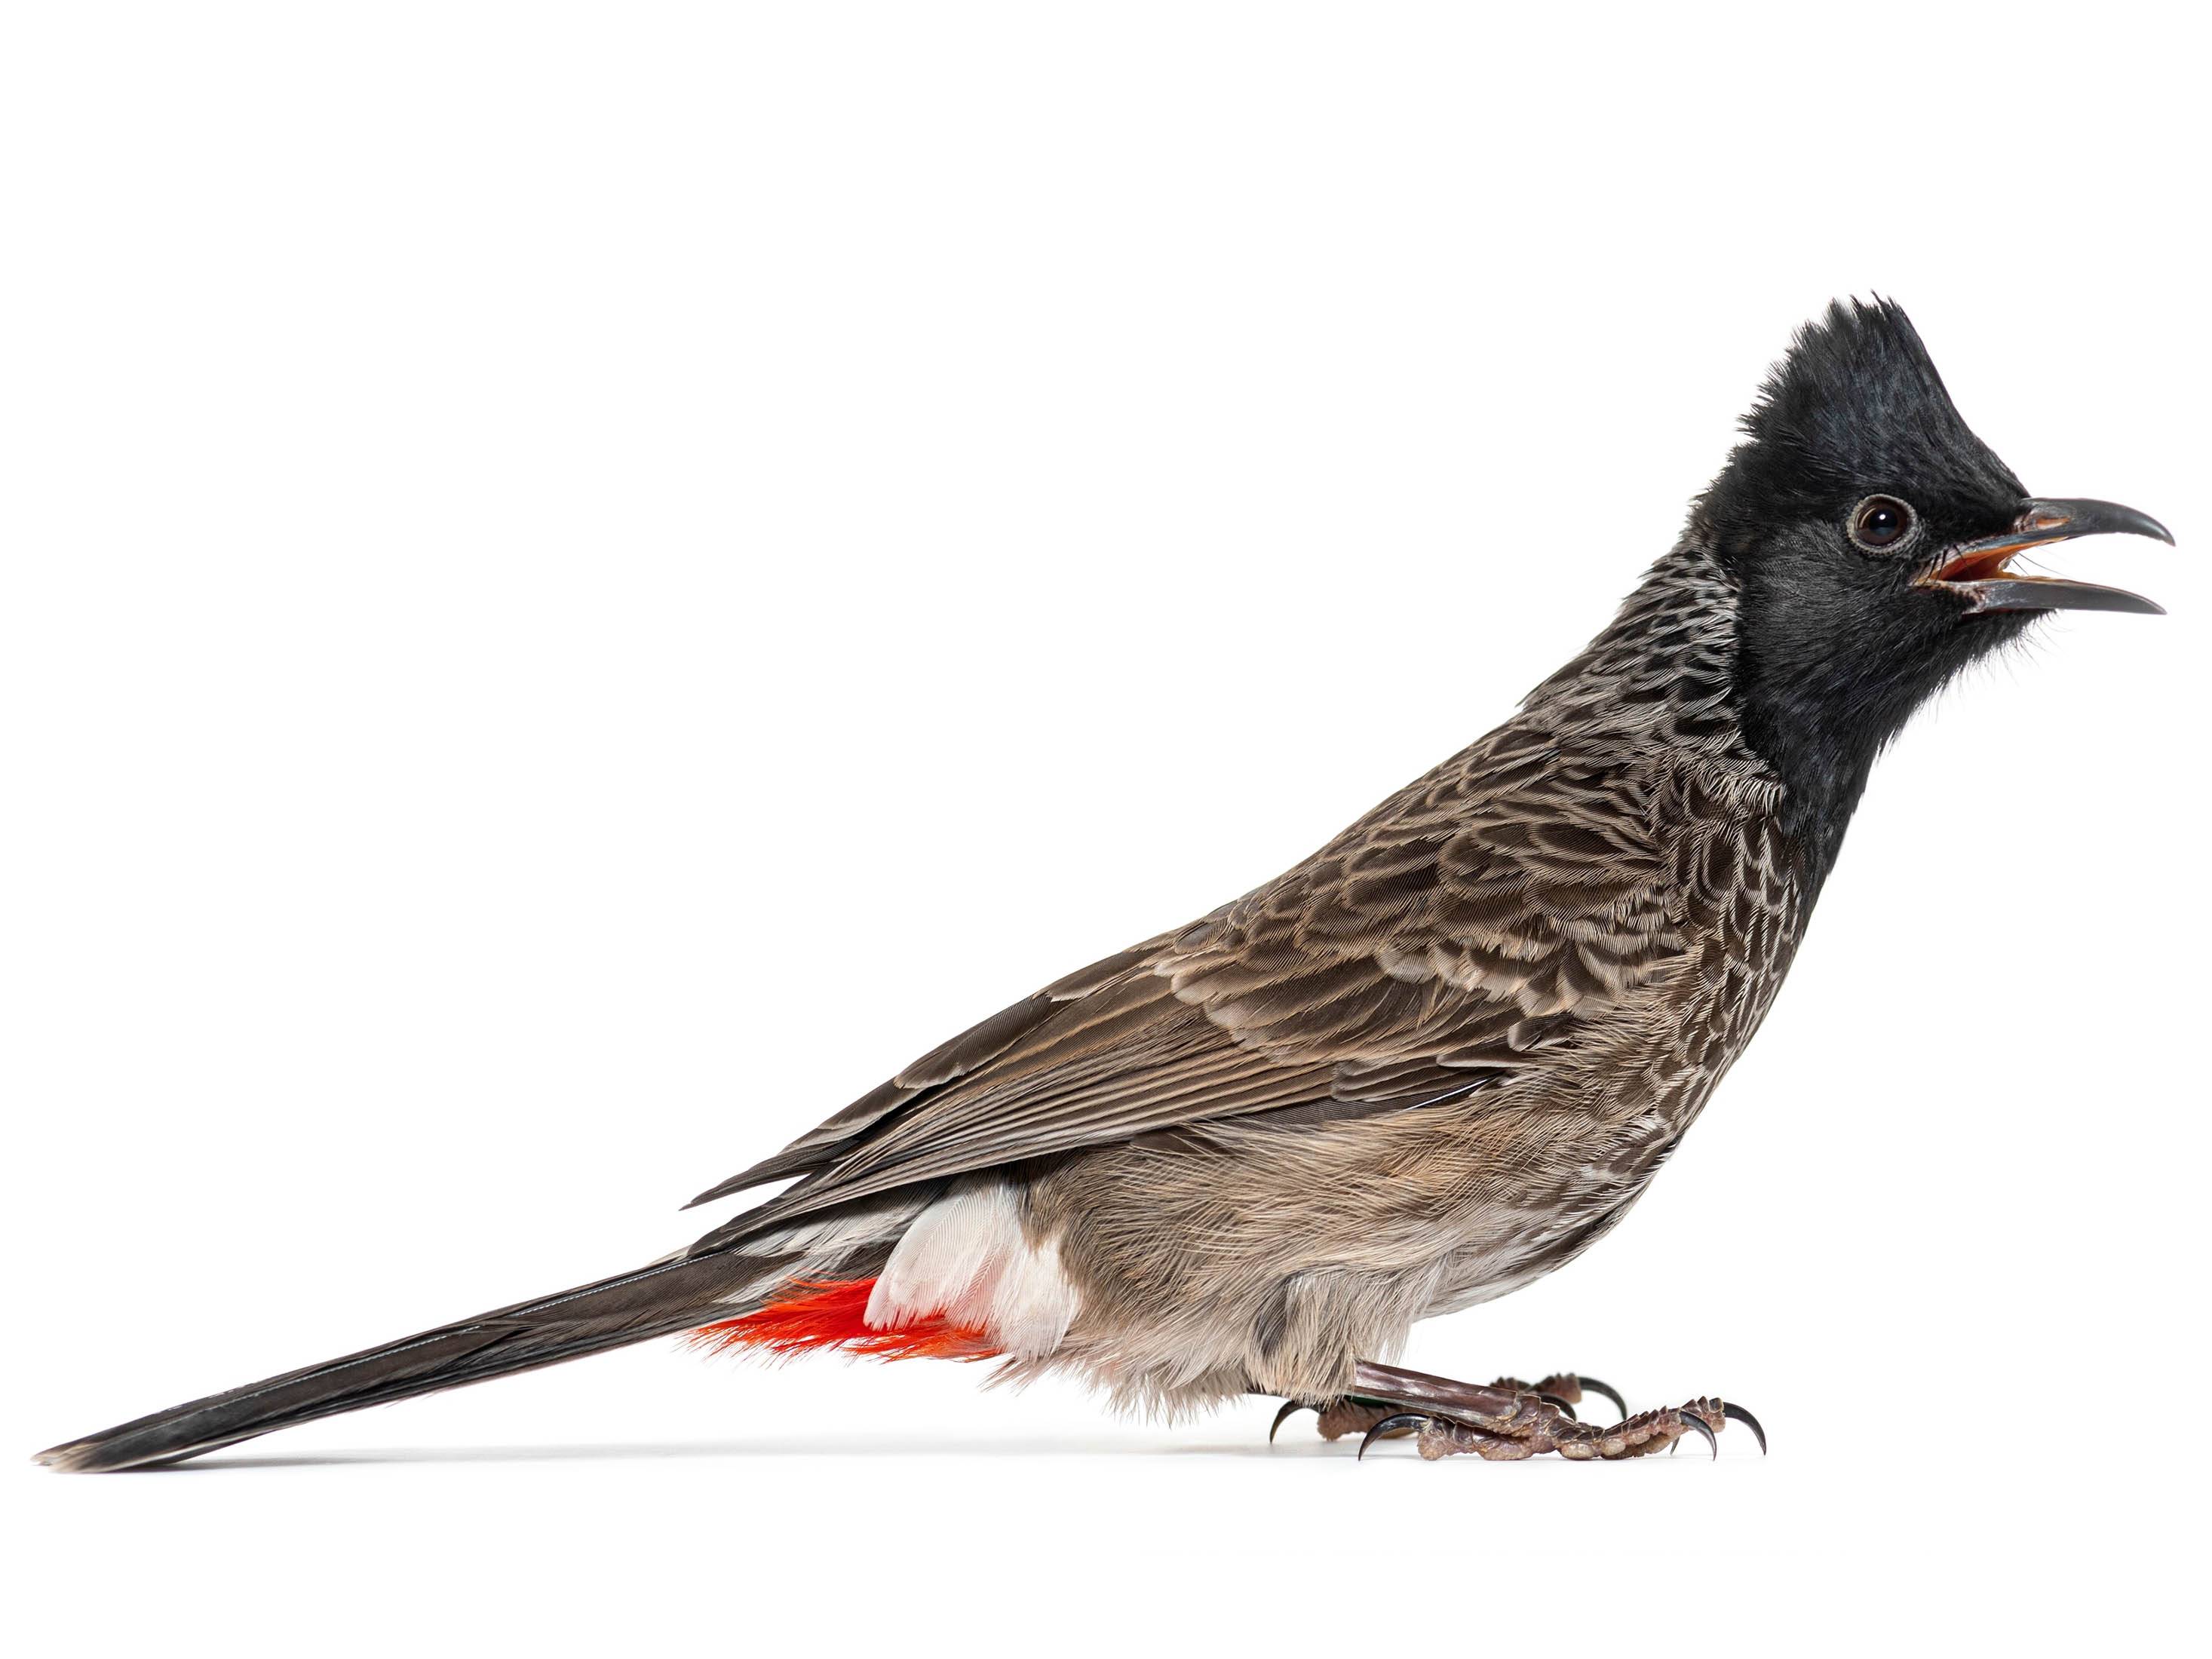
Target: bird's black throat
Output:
{"points": [[1827, 676]]}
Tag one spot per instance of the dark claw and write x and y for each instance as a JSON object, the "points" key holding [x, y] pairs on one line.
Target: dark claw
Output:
{"points": [[1744, 1418], [1702, 1427], [1402, 1420], [1591, 1385], [1289, 1406], [1565, 1410]]}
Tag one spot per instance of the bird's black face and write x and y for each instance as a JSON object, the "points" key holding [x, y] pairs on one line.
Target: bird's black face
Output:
{"points": [[1871, 535]]}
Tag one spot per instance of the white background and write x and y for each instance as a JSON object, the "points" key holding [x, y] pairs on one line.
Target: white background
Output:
{"points": [[583, 583]]}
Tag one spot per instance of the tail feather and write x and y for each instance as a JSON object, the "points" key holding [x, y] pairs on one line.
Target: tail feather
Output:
{"points": [[612, 1313]]}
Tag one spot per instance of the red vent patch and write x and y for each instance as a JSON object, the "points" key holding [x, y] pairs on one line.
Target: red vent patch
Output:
{"points": [[831, 1314]]}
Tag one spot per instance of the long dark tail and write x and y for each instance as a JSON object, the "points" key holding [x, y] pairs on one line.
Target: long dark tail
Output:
{"points": [[633, 1307]]}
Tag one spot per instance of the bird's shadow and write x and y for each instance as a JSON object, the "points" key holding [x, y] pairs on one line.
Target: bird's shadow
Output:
{"points": [[690, 1450]]}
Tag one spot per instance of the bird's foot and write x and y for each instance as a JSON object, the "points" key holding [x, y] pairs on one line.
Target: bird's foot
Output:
{"points": [[1566, 1387], [1335, 1418], [1504, 1422], [1352, 1414], [1527, 1433]]}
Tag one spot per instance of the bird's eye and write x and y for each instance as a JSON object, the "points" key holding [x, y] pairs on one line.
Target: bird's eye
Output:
{"points": [[1880, 521]]}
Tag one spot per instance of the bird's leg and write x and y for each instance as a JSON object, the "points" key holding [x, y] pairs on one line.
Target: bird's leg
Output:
{"points": [[1506, 1424], [1354, 1414]]}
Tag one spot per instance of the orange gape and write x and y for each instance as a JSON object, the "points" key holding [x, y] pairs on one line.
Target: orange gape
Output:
{"points": [[832, 1314]]}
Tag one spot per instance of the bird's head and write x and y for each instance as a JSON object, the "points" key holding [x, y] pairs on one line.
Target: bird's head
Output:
{"points": [[1872, 537]]}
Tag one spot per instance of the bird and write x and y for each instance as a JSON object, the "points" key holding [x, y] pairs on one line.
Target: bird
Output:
{"points": [[1439, 1058]]}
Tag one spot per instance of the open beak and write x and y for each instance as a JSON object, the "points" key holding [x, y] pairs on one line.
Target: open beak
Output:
{"points": [[1980, 570]]}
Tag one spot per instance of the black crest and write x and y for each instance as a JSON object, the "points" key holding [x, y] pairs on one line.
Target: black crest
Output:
{"points": [[1856, 407]]}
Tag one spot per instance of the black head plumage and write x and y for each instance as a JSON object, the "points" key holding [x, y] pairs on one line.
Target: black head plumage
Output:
{"points": [[1866, 529], [1857, 408]]}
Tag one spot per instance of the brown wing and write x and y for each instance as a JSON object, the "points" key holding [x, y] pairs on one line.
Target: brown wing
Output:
{"points": [[1461, 933]]}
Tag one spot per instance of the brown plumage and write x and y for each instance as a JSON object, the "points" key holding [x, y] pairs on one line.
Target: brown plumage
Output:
{"points": [[1434, 1060]]}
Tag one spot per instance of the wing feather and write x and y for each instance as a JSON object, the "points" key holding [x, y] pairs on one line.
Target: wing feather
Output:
{"points": [[1465, 932]]}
